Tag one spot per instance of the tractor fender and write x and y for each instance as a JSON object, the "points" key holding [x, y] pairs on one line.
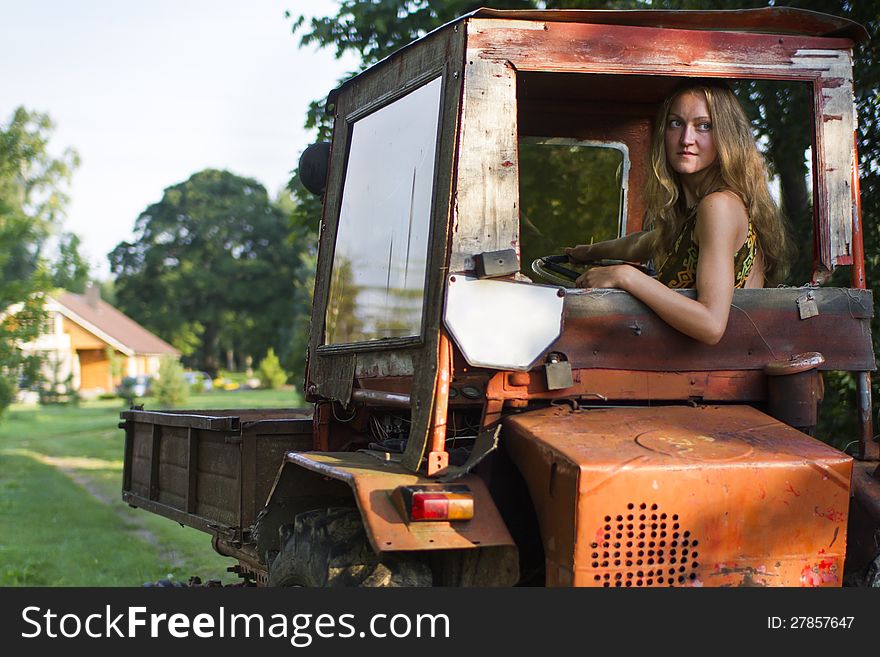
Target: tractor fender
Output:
{"points": [[307, 481]]}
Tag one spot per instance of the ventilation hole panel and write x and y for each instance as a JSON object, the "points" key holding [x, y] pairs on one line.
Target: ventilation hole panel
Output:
{"points": [[644, 545]]}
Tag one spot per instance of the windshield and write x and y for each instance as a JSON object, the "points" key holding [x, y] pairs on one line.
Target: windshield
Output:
{"points": [[570, 191]]}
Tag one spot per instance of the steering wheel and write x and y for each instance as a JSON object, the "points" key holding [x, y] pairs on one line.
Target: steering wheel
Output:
{"points": [[550, 268]]}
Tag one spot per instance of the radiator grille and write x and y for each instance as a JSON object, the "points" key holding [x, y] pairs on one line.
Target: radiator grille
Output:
{"points": [[644, 546]]}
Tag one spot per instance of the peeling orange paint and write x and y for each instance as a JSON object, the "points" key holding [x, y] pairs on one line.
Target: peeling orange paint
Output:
{"points": [[829, 514], [820, 574]]}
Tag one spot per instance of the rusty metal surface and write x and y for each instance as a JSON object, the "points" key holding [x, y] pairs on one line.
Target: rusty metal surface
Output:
{"points": [[249, 564], [611, 329], [795, 364], [795, 399], [706, 496], [438, 457], [858, 244], [599, 385], [869, 448], [555, 46], [372, 482], [380, 398], [776, 20]]}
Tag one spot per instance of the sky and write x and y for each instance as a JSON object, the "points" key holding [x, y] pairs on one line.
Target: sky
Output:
{"points": [[150, 92]]}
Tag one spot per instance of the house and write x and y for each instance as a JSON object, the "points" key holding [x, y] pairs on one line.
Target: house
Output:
{"points": [[90, 346]]}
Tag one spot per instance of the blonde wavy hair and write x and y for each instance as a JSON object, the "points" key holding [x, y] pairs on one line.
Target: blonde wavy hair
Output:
{"points": [[739, 168]]}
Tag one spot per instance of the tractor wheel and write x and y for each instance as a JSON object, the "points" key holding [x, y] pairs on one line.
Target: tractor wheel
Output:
{"points": [[872, 576], [328, 547]]}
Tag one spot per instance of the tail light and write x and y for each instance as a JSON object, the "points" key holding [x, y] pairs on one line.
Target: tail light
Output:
{"points": [[434, 502]]}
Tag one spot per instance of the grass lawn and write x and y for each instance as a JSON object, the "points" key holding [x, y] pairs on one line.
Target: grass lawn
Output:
{"points": [[62, 519]]}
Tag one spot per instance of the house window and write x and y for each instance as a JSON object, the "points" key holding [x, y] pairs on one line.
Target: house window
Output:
{"points": [[48, 327]]}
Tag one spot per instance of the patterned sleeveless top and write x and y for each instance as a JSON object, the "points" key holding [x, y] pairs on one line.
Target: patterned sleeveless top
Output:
{"points": [[679, 270]]}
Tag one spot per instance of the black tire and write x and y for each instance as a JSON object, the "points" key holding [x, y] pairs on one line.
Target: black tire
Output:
{"points": [[872, 576], [329, 548]]}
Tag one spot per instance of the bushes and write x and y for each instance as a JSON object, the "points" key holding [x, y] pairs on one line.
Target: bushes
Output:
{"points": [[170, 388], [270, 372]]}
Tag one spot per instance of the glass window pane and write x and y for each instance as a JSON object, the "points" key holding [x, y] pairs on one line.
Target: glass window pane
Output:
{"points": [[378, 279], [570, 192]]}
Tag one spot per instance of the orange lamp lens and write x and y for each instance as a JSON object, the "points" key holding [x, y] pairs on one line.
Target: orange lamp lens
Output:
{"points": [[434, 503]]}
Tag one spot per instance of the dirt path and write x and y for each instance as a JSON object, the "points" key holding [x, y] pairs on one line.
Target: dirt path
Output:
{"points": [[75, 469], [132, 522]]}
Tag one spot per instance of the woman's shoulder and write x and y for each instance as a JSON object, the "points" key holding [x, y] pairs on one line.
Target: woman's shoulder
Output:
{"points": [[722, 199], [722, 213]]}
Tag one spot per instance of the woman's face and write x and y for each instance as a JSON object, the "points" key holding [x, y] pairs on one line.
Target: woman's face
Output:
{"points": [[690, 144]]}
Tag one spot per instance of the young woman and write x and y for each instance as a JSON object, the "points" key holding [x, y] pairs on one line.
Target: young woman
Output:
{"points": [[715, 225]]}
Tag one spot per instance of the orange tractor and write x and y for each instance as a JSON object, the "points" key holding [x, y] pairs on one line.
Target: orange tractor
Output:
{"points": [[474, 419]]}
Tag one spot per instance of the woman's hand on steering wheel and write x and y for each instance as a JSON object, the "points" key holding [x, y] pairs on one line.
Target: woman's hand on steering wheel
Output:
{"points": [[579, 253], [568, 270], [609, 276]]}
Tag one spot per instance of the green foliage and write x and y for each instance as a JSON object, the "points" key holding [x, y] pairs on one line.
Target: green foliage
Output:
{"points": [[567, 194], [57, 389], [70, 270], [376, 29], [117, 362], [31, 205], [126, 391], [270, 372], [198, 384], [170, 388], [107, 291], [19, 327], [303, 212], [31, 179], [211, 269]]}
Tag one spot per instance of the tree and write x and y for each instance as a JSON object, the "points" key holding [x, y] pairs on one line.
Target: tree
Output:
{"points": [[211, 269], [70, 270], [32, 201], [303, 216]]}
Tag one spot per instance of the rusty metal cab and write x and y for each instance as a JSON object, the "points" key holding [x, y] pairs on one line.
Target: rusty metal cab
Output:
{"points": [[585, 427]]}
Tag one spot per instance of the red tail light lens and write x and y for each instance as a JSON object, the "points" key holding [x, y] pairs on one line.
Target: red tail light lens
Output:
{"points": [[435, 502]]}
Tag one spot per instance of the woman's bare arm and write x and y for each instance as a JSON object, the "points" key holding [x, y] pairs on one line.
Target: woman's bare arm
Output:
{"points": [[635, 247], [721, 226]]}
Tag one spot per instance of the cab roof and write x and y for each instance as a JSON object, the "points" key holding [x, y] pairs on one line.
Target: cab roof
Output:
{"points": [[763, 20], [766, 20]]}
